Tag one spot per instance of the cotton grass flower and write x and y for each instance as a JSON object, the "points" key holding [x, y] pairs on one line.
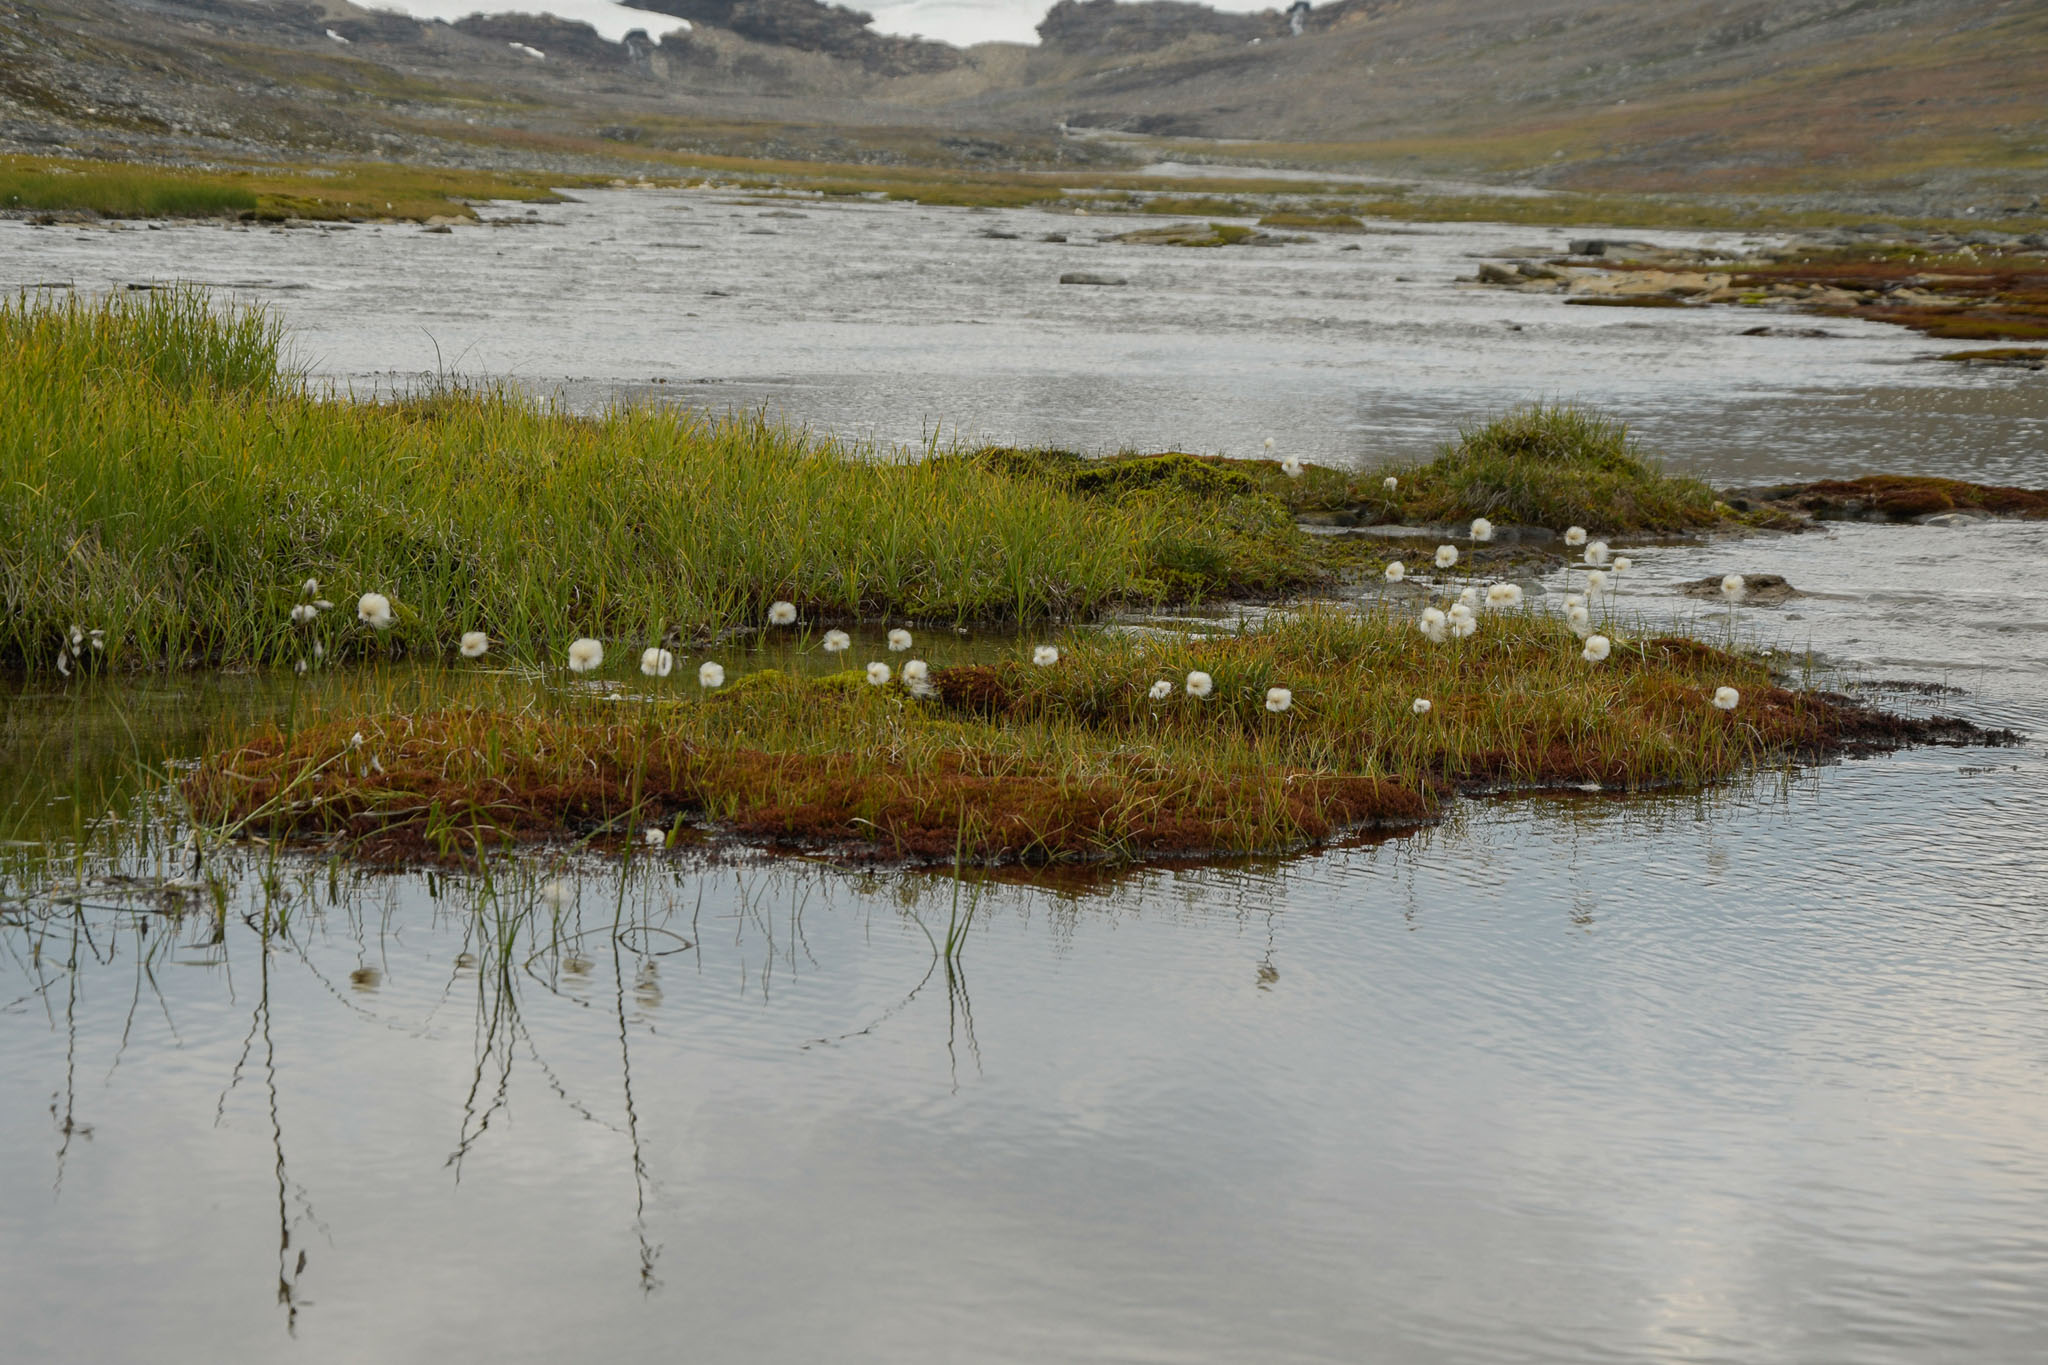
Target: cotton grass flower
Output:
{"points": [[1734, 588], [1432, 625], [304, 614], [1045, 656], [878, 673], [1622, 563], [1482, 529], [1292, 467], [1468, 597], [710, 675], [656, 662], [1462, 621], [1200, 684], [311, 587], [1727, 698], [373, 609], [653, 837], [899, 640], [1161, 690], [1269, 443], [585, 654], [1446, 556], [1597, 582], [1501, 596], [64, 663], [1396, 571], [1390, 483], [916, 673], [1572, 599], [1278, 699], [1420, 706], [782, 614], [837, 641], [1598, 647], [475, 644], [1575, 536], [1580, 620], [1596, 552]]}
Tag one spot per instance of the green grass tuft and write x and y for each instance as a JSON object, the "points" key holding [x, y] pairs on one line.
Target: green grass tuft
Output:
{"points": [[165, 479]]}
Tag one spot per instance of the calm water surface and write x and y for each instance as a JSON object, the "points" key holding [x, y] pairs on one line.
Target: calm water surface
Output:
{"points": [[1759, 1075]]}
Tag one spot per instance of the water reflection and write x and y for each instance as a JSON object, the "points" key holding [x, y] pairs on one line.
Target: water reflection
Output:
{"points": [[1755, 1073]]}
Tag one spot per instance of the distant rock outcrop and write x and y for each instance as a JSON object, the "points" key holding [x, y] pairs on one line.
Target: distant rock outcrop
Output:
{"points": [[556, 39], [1093, 26], [808, 26]]}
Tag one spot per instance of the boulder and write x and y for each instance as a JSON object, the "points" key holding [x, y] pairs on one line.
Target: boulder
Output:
{"points": [[1761, 589]]}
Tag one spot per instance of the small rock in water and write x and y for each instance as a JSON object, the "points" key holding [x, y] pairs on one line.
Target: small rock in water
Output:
{"points": [[1760, 589], [1085, 277]]}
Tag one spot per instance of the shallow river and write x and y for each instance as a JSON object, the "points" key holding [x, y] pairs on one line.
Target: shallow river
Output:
{"points": [[1759, 1075], [894, 321]]}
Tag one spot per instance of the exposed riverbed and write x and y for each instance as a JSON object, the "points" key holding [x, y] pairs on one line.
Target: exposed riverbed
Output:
{"points": [[1752, 1075]]}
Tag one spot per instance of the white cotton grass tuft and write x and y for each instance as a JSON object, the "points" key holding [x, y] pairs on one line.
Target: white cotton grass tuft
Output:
{"points": [[916, 672], [585, 654], [1596, 552], [1161, 690], [1396, 571], [837, 641], [1482, 529], [899, 640], [782, 614], [1580, 620], [373, 609], [1468, 596], [1278, 699], [1572, 599], [1292, 467], [1622, 563], [1390, 483], [1432, 625], [1420, 706], [1446, 556], [1597, 582], [1500, 596], [1727, 698], [311, 587], [657, 662], [1575, 536], [64, 663], [1200, 684], [1045, 656], [303, 614], [1462, 621], [1734, 588], [710, 675], [475, 644], [1598, 647], [653, 837], [878, 673], [558, 895], [1269, 443]]}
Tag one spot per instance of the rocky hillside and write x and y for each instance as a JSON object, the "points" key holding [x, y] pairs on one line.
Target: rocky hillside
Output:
{"points": [[1733, 95]]}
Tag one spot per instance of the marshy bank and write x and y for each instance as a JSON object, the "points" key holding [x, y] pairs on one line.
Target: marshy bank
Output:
{"points": [[1113, 749]]}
